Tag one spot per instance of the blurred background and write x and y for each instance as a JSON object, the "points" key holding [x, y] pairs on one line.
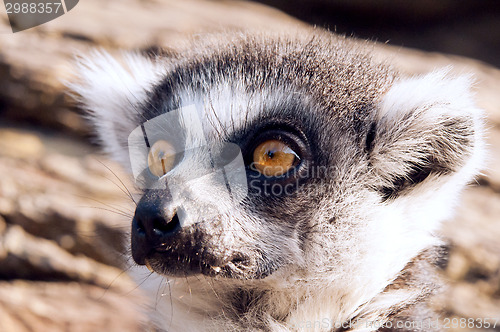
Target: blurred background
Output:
{"points": [[63, 212]]}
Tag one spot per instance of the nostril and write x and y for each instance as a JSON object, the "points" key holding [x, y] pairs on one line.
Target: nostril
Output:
{"points": [[139, 226], [166, 227]]}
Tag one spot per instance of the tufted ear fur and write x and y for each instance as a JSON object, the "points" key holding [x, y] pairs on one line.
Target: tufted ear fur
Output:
{"points": [[426, 127], [113, 91]]}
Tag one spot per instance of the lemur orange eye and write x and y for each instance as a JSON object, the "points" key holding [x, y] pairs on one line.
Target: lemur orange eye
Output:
{"points": [[161, 158], [274, 158]]}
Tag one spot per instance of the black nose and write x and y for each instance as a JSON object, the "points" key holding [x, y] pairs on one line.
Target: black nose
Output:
{"points": [[153, 225]]}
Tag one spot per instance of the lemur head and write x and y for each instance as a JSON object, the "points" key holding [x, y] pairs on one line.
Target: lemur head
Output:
{"points": [[298, 158]]}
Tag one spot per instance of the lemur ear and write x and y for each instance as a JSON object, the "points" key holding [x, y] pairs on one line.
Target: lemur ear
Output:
{"points": [[425, 126], [112, 92]]}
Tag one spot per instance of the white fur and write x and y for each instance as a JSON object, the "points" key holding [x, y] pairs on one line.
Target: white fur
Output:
{"points": [[112, 91]]}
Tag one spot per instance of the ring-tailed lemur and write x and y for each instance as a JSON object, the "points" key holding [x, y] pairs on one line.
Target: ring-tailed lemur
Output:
{"points": [[288, 182]]}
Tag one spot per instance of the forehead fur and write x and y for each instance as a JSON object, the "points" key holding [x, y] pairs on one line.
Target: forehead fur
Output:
{"points": [[336, 72]]}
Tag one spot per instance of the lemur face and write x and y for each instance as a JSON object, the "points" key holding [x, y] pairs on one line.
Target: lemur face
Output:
{"points": [[257, 217], [265, 156]]}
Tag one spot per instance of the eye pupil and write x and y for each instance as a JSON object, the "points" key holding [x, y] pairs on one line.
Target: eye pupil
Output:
{"points": [[163, 166]]}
